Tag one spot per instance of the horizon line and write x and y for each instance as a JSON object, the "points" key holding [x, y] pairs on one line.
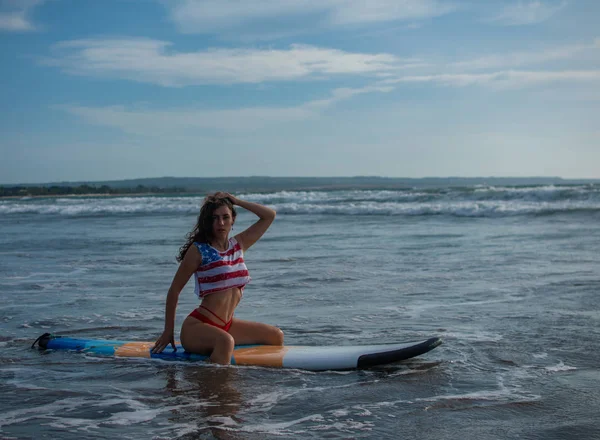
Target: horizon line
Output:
{"points": [[105, 181]]}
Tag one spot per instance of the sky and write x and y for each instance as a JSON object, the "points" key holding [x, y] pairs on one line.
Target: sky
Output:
{"points": [[115, 89]]}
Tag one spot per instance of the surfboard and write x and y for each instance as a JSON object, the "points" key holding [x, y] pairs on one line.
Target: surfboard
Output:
{"points": [[314, 358]]}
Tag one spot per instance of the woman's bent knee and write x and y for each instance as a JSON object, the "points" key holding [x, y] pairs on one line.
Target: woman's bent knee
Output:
{"points": [[223, 349], [277, 336], [226, 341]]}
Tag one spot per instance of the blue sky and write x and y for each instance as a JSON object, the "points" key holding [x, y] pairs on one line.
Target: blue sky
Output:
{"points": [[111, 89]]}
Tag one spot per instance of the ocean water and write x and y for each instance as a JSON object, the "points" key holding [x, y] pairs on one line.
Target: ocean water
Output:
{"points": [[509, 277]]}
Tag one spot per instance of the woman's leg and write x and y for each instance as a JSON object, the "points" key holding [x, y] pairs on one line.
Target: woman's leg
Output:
{"points": [[201, 338], [247, 332]]}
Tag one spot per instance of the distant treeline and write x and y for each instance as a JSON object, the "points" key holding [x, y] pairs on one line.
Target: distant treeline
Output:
{"points": [[257, 184], [56, 190]]}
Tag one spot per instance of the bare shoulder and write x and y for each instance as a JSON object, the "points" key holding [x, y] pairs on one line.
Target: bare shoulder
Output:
{"points": [[192, 257], [191, 260]]}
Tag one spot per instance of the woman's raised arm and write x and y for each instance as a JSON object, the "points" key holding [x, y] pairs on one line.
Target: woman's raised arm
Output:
{"points": [[265, 215]]}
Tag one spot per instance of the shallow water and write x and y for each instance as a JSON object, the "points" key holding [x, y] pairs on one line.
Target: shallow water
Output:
{"points": [[508, 277]]}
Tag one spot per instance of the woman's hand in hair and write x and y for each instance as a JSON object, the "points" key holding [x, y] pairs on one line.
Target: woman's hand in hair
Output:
{"points": [[232, 199]]}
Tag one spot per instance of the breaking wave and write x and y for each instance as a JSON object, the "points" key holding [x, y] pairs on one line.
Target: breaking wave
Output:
{"points": [[475, 201]]}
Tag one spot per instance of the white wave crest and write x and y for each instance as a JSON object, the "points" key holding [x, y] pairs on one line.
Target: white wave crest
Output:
{"points": [[460, 202], [458, 209], [560, 367], [103, 206]]}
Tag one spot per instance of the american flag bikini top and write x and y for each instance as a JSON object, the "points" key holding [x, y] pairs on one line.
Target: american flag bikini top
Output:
{"points": [[221, 270]]}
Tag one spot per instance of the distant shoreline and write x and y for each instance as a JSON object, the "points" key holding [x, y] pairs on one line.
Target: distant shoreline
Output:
{"points": [[186, 186], [85, 190], [57, 196], [207, 182]]}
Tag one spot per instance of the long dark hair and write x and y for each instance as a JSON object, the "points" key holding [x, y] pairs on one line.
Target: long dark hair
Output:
{"points": [[202, 232]]}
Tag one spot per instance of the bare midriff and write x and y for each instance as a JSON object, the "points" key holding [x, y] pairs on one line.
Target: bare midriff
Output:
{"points": [[221, 303]]}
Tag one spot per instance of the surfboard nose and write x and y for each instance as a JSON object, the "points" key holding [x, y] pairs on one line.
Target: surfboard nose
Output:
{"points": [[42, 341]]}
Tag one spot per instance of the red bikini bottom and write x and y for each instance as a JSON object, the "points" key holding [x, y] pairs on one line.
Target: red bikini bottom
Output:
{"points": [[199, 316]]}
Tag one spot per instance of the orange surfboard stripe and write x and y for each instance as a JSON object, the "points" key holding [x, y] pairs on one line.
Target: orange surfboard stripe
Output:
{"points": [[264, 356], [134, 349]]}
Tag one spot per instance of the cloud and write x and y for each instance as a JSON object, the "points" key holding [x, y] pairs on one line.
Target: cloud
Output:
{"points": [[15, 15], [153, 61], [150, 122], [193, 121], [14, 22], [344, 93], [360, 11], [518, 59], [217, 16], [503, 79], [527, 12], [501, 71]]}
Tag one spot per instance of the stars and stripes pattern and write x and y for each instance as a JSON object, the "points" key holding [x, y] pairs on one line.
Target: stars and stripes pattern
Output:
{"points": [[220, 270]]}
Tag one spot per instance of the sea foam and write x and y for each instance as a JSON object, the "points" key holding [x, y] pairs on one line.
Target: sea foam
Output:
{"points": [[459, 202]]}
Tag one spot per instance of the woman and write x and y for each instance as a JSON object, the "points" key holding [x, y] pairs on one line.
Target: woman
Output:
{"points": [[221, 275]]}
